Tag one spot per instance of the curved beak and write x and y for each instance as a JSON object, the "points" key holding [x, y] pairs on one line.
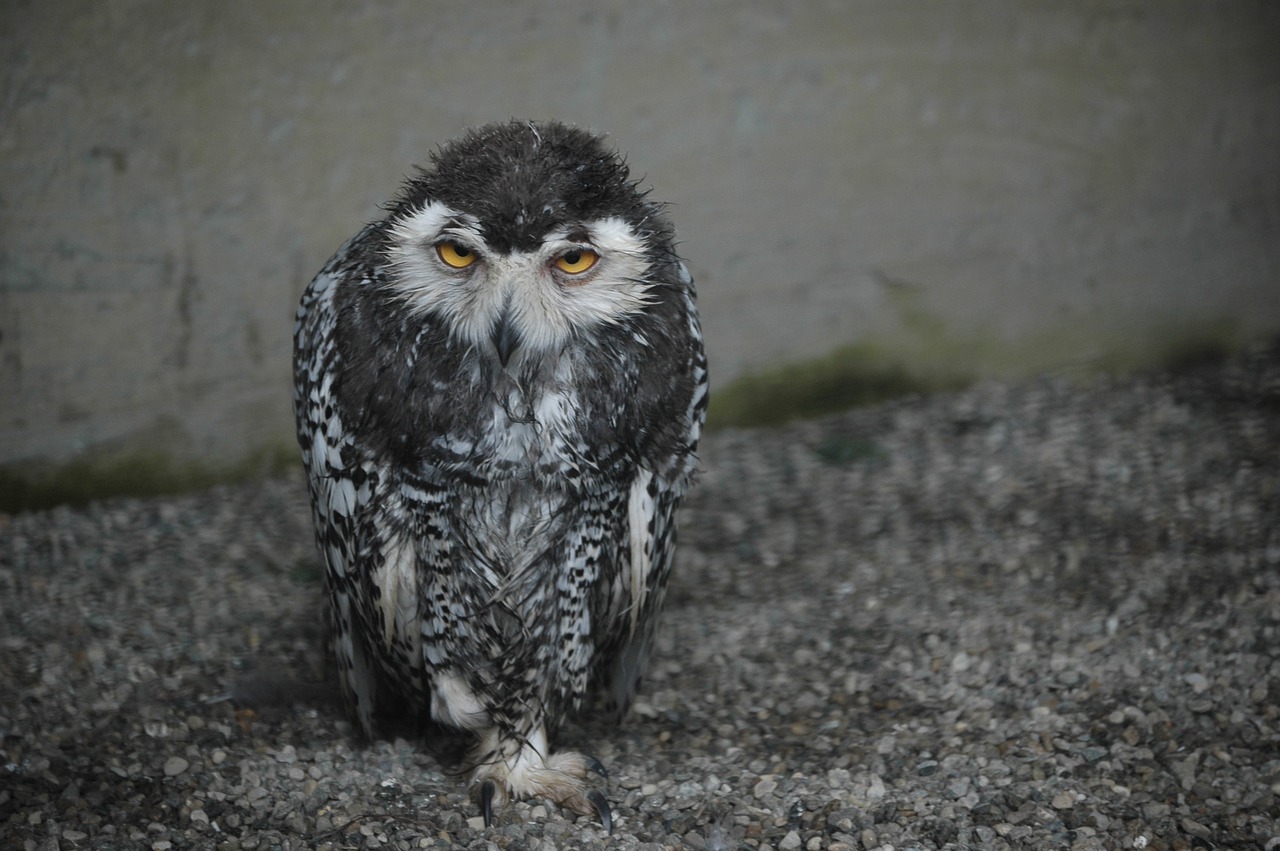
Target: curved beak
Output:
{"points": [[505, 337]]}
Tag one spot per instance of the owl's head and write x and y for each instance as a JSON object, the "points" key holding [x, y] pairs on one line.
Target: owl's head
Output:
{"points": [[520, 236]]}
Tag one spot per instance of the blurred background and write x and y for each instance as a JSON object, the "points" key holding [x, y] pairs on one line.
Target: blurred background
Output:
{"points": [[904, 195]]}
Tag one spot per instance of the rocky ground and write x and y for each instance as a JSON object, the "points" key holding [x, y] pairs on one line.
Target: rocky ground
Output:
{"points": [[1033, 615]]}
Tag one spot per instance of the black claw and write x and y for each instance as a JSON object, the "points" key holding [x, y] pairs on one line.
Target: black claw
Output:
{"points": [[602, 810], [597, 766], [487, 790]]}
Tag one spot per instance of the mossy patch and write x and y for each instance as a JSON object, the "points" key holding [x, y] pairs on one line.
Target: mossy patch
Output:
{"points": [[844, 451], [847, 377], [877, 371], [136, 474]]}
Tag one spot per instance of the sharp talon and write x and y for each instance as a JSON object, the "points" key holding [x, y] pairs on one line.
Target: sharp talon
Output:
{"points": [[597, 766], [602, 810], [487, 790]]}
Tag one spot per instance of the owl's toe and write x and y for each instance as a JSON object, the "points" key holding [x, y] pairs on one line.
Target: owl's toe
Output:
{"points": [[593, 797], [567, 782], [602, 809], [561, 778], [487, 790], [595, 766]]}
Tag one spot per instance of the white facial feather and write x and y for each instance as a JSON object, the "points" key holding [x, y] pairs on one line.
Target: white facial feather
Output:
{"points": [[545, 305]]}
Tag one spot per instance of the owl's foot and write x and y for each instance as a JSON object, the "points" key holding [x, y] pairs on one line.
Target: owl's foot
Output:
{"points": [[562, 778], [489, 792]]}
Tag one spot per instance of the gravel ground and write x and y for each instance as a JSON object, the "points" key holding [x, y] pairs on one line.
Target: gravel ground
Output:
{"points": [[1032, 615]]}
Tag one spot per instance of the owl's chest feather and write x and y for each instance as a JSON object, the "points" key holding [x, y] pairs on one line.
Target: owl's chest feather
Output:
{"points": [[526, 460], [509, 434]]}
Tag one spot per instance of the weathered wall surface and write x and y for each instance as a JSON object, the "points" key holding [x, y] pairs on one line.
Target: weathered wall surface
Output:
{"points": [[981, 188]]}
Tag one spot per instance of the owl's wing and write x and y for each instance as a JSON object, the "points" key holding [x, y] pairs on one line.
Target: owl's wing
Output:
{"points": [[340, 484], [368, 523], [646, 566], [652, 501]]}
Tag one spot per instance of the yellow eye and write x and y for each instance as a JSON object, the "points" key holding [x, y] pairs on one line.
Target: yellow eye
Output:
{"points": [[577, 261], [454, 255]]}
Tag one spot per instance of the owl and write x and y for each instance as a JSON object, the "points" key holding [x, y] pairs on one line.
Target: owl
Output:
{"points": [[499, 389]]}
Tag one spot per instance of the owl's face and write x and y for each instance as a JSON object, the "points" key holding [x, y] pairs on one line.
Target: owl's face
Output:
{"points": [[523, 236]]}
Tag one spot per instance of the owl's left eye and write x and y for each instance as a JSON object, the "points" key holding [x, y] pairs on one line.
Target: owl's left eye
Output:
{"points": [[455, 255], [576, 261]]}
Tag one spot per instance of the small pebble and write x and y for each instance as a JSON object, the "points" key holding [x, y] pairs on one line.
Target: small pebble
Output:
{"points": [[1196, 829], [1199, 682]]}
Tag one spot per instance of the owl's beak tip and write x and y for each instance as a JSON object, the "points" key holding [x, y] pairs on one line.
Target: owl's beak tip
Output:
{"points": [[505, 337]]}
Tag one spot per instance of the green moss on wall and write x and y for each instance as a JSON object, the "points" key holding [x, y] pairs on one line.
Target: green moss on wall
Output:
{"points": [[844, 378], [136, 473], [876, 371]]}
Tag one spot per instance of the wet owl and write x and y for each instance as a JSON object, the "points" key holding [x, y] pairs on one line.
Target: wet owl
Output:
{"points": [[499, 389]]}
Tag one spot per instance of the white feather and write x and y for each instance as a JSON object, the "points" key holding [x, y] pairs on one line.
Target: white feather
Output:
{"points": [[640, 513], [397, 581], [453, 702]]}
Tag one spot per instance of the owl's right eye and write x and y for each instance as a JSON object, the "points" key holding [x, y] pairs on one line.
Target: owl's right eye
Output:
{"points": [[454, 255]]}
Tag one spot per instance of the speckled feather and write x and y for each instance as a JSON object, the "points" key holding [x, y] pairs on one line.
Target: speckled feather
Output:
{"points": [[499, 535]]}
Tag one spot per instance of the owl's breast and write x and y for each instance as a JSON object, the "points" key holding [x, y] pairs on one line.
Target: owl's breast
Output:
{"points": [[526, 461], [515, 438]]}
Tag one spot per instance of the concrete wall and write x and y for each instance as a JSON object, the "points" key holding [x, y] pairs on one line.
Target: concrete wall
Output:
{"points": [[985, 188]]}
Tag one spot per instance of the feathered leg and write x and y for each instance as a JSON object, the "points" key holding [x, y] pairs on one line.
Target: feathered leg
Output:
{"points": [[515, 767]]}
